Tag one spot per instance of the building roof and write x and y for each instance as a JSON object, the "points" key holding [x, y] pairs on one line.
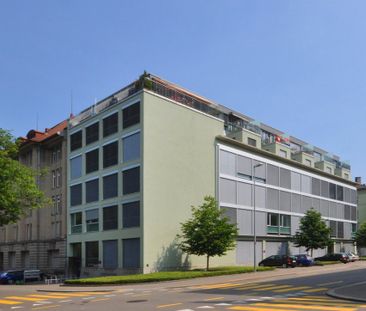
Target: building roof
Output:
{"points": [[37, 136]]}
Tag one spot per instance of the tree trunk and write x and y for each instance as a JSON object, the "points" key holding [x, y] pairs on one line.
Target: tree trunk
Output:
{"points": [[208, 263]]}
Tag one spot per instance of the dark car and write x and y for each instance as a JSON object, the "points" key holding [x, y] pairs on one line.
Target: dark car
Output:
{"points": [[279, 260], [304, 260], [342, 257], [10, 277]]}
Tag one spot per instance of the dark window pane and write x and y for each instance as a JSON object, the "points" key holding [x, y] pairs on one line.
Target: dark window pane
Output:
{"points": [[131, 214], [315, 186], [91, 253], [110, 217], [92, 191], [131, 115], [92, 133], [110, 154], [131, 253], [340, 230], [332, 191], [92, 220], [325, 189], [110, 125], [110, 254], [339, 193], [347, 212], [252, 142], [110, 186], [76, 140], [131, 180], [333, 228], [75, 195], [92, 161]]}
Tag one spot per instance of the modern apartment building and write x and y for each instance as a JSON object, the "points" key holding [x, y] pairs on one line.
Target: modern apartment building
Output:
{"points": [[139, 159], [38, 240]]}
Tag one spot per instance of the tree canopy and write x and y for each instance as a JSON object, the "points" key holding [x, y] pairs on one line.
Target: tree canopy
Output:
{"points": [[360, 236], [18, 188], [208, 232], [313, 233]]}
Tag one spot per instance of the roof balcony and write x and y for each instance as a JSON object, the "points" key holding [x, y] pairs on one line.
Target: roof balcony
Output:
{"points": [[278, 146], [325, 166]]}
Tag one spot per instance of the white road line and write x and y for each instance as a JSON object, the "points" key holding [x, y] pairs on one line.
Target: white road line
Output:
{"points": [[109, 295], [223, 304], [65, 300], [205, 307], [185, 310], [87, 298], [17, 307]]}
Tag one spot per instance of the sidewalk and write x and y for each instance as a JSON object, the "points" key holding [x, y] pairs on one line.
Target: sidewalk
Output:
{"points": [[355, 292]]}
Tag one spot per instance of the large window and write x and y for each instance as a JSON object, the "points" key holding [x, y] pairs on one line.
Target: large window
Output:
{"points": [[91, 253], [272, 223], [92, 133], [131, 253], [339, 193], [273, 175], [92, 161], [110, 186], [285, 178], [272, 199], [332, 191], [76, 195], [76, 140], [131, 115], [315, 186], [110, 254], [285, 224], [131, 180], [110, 217], [92, 191], [76, 222], [131, 147], [75, 168], [110, 125], [110, 154], [131, 214], [92, 220]]}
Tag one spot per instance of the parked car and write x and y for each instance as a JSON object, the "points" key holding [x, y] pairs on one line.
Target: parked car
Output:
{"points": [[304, 260], [342, 257], [279, 260], [12, 276], [353, 257]]}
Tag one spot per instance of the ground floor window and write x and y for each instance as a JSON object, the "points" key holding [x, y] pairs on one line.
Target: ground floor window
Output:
{"points": [[131, 253], [278, 224], [91, 253], [110, 254]]}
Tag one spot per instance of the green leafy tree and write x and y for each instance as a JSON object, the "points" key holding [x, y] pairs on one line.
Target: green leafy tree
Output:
{"points": [[18, 188], [313, 233], [208, 232], [360, 236]]}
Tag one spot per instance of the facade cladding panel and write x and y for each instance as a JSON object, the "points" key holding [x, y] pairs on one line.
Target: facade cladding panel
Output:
{"points": [[244, 194], [227, 163]]}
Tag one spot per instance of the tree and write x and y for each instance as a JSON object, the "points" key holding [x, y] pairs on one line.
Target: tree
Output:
{"points": [[208, 232], [313, 233], [18, 188], [360, 236]]}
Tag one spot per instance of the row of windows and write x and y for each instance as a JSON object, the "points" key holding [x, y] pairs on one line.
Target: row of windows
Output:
{"points": [[243, 167], [130, 184], [109, 221], [130, 115], [130, 253], [130, 151], [240, 193]]}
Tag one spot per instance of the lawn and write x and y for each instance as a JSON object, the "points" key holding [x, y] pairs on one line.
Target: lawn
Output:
{"points": [[163, 276]]}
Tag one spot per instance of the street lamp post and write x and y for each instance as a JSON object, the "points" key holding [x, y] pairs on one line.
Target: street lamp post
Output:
{"points": [[254, 212]]}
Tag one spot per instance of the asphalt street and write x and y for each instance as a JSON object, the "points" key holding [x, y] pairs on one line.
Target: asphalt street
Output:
{"points": [[281, 290]]}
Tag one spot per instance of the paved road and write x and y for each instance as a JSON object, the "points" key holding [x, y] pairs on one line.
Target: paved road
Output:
{"points": [[283, 290]]}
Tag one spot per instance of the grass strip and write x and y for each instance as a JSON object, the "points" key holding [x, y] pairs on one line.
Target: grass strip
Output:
{"points": [[326, 263], [163, 276]]}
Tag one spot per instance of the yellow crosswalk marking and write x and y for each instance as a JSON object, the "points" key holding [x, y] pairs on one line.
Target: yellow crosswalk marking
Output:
{"points": [[273, 287], [9, 302], [49, 296], [254, 286], [313, 307], [24, 298], [223, 285], [291, 289], [314, 290], [71, 294]]}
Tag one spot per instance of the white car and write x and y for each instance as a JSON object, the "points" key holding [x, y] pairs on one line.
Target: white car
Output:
{"points": [[353, 257]]}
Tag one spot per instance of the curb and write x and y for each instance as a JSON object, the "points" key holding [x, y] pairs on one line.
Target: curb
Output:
{"points": [[332, 293]]}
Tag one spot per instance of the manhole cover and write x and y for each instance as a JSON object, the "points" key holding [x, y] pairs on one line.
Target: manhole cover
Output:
{"points": [[136, 301]]}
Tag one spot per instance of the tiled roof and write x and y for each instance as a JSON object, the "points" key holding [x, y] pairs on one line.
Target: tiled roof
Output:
{"points": [[38, 136]]}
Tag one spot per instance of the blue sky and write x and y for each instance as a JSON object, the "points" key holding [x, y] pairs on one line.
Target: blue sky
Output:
{"points": [[298, 66]]}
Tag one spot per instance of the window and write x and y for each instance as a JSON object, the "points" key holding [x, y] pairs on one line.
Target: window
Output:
{"points": [[53, 179], [92, 133], [92, 161], [252, 142], [110, 125], [324, 189], [75, 195], [315, 186], [76, 222], [295, 181], [110, 154], [347, 212], [58, 209], [110, 254], [228, 191], [308, 162], [272, 223], [28, 231], [340, 233], [131, 180], [131, 147], [353, 213], [76, 140], [282, 153], [131, 115], [75, 167], [346, 176], [92, 220], [227, 163], [273, 175], [58, 178], [305, 184], [91, 253], [353, 229], [296, 203], [333, 228], [92, 191], [285, 224], [332, 191], [328, 169], [244, 167], [285, 201], [110, 186], [131, 214], [131, 253], [285, 178], [339, 193], [272, 198], [306, 204], [110, 218]]}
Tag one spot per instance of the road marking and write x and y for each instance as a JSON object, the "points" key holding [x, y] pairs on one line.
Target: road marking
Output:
{"points": [[273, 287], [223, 304], [330, 283], [206, 307], [99, 299], [296, 306], [222, 285], [46, 307], [248, 308], [314, 290], [316, 303], [291, 289], [109, 295], [9, 302], [17, 307], [72, 294], [254, 286], [23, 298], [48, 296], [88, 298], [63, 301], [169, 305], [214, 298]]}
